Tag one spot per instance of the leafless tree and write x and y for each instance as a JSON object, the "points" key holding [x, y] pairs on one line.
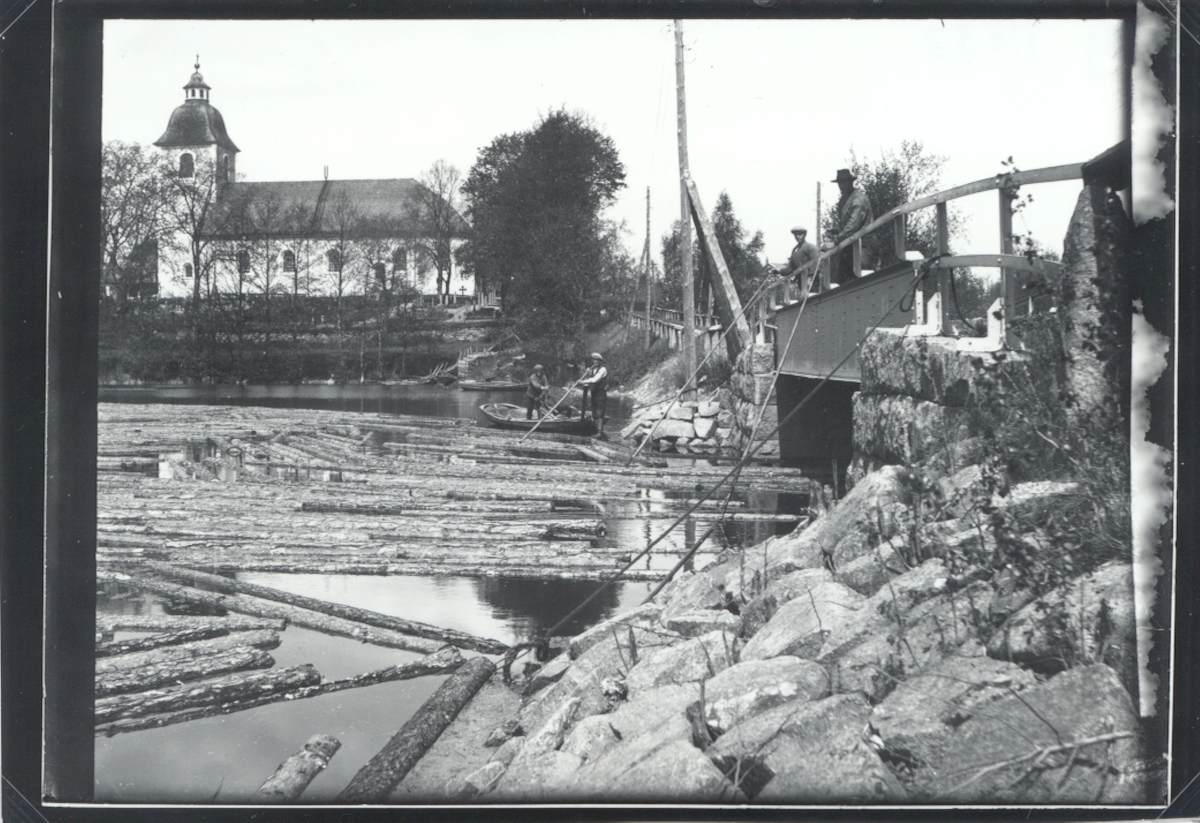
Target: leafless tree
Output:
{"points": [[132, 218], [436, 219]]}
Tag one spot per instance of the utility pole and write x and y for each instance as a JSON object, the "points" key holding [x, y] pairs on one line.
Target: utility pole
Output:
{"points": [[688, 338], [648, 267]]}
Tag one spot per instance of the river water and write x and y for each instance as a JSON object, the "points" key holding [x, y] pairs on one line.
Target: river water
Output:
{"points": [[224, 759]]}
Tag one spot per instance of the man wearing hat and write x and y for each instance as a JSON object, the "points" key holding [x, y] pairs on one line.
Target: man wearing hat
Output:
{"points": [[595, 379], [803, 254], [535, 392], [853, 212]]}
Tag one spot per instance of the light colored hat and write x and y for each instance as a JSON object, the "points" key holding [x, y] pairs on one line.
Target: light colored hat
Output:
{"points": [[799, 230], [538, 367], [597, 355]]}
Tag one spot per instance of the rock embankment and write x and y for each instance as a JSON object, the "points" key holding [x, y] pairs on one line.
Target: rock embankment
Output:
{"points": [[857, 661]]}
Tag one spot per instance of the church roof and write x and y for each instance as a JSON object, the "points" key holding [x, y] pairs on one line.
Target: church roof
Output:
{"points": [[195, 123], [392, 207]]}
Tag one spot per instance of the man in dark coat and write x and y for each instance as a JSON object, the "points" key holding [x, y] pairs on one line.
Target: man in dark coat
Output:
{"points": [[803, 254], [853, 212]]}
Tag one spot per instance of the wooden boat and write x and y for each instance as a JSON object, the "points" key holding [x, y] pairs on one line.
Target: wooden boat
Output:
{"points": [[489, 385], [512, 416]]}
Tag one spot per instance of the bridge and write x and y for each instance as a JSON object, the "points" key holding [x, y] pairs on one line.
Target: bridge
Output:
{"points": [[817, 338]]}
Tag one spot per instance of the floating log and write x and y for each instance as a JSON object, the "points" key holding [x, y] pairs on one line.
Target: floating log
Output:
{"points": [[341, 508], [256, 607], [107, 624], [294, 774], [261, 639], [370, 618], [182, 671], [230, 689], [155, 641], [445, 660], [376, 780]]}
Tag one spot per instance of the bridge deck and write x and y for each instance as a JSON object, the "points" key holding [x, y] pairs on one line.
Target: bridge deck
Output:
{"points": [[833, 322]]}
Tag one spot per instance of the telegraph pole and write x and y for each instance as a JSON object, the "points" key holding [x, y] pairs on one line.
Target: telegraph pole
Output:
{"points": [[688, 338], [648, 267]]}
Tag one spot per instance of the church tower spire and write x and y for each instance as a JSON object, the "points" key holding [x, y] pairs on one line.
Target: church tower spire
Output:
{"points": [[196, 128]]}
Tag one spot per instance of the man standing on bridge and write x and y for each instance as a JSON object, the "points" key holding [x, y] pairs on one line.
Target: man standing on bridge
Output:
{"points": [[803, 254], [853, 212]]}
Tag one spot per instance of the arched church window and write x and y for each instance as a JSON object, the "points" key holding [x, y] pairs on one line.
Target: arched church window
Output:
{"points": [[289, 260], [400, 260], [187, 165], [187, 270], [225, 169], [333, 260], [381, 274], [243, 261]]}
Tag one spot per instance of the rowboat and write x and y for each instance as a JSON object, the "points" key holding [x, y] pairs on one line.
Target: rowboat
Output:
{"points": [[489, 385], [512, 416]]}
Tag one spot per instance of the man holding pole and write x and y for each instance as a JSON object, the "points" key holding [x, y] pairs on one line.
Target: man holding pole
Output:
{"points": [[595, 379], [803, 254], [535, 393]]}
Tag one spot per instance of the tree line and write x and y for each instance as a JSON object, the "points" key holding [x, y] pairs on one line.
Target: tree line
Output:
{"points": [[261, 281]]}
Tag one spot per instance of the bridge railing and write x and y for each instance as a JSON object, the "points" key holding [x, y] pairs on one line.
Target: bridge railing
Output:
{"points": [[1015, 269]]}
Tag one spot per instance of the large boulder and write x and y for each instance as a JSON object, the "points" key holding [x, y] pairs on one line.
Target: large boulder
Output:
{"points": [[538, 766], [688, 661], [1095, 308], [1072, 740], [800, 626], [807, 752], [694, 624], [590, 738], [754, 686], [645, 615], [1090, 619], [762, 606], [874, 659], [926, 368], [922, 713], [660, 765], [847, 531], [692, 592], [900, 429]]}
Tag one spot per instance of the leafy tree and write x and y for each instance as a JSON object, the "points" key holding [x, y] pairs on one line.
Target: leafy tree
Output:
{"points": [[896, 178], [189, 218], [741, 256], [132, 219], [536, 200]]}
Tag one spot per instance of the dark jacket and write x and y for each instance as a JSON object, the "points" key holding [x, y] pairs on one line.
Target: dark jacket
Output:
{"points": [[803, 254], [854, 212], [538, 384]]}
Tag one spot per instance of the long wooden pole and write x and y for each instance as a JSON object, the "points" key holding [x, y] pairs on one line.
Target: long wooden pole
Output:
{"points": [[688, 341], [648, 337]]}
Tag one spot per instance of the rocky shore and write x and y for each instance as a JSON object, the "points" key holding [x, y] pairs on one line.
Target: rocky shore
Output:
{"points": [[831, 667]]}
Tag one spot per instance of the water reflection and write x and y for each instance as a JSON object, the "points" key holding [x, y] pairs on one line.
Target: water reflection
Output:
{"points": [[536, 605], [423, 399]]}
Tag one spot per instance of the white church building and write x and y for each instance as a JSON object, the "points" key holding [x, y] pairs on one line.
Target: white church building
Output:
{"points": [[313, 237]]}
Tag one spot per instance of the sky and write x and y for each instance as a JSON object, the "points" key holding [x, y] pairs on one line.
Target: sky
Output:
{"points": [[773, 107]]}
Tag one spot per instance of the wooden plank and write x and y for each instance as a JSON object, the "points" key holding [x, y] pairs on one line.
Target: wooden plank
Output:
{"points": [[376, 780], [728, 302]]}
